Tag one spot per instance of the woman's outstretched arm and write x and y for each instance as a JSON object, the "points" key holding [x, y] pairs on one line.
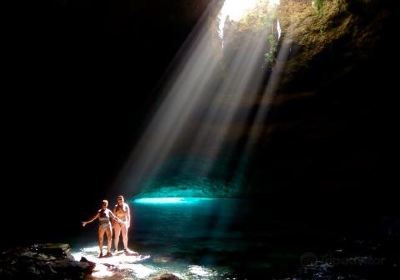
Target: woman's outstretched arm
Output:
{"points": [[91, 220]]}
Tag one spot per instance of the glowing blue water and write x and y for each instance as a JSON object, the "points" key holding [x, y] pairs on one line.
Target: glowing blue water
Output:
{"points": [[230, 237]]}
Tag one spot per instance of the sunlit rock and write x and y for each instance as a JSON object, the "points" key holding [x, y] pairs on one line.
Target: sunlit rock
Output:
{"points": [[42, 261]]}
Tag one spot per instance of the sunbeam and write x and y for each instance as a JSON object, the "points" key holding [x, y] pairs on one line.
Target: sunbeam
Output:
{"points": [[211, 93], [214, 104]]}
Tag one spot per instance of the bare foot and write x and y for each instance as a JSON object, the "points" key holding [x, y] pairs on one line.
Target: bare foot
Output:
{"points": [[130, 252]]}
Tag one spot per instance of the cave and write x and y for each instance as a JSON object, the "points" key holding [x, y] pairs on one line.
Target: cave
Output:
{"points": [[250, 139]]}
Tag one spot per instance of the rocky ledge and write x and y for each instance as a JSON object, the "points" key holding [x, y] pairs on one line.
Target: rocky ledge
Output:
{"points": [[43, 261]]}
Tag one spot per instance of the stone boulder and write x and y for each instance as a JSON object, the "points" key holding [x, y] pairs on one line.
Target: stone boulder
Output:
{"points": [[42, 261]]}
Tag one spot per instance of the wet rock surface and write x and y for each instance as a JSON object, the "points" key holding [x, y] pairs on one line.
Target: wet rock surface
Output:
{"points": [[42, 261], [357, 259], [166, 276]]}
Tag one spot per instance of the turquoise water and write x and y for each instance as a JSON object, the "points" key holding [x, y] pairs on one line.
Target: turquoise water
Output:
{"points": [[219, 238]]}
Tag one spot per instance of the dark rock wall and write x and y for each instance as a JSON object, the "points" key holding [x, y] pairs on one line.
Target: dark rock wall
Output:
{"points": [[329, 137]]}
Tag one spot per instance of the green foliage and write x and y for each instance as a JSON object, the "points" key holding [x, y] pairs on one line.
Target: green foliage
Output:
{"points": [[259, 18], [270, 55], [258, 22], [318, 4]]}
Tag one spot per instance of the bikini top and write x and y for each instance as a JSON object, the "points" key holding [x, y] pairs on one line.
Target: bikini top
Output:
{"points": [[104, 217], [120, 211]]}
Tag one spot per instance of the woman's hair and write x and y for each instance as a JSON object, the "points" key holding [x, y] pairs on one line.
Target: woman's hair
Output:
{"points": [[104, 202]]}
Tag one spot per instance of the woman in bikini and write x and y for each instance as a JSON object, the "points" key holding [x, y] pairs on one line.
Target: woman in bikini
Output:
{"points": [[122, 211], [104, 215]]}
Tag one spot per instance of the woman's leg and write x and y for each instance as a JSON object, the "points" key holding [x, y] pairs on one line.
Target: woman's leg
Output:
{"points": [[124, 231], [117, 232], [109, 239], [101, 236]]}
